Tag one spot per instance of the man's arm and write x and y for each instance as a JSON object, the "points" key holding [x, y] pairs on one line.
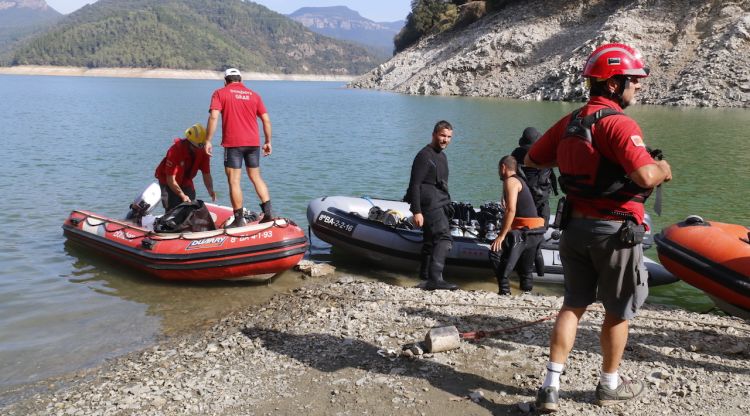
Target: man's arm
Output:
{"points": [[511, 188], [172, 184], [527, 161], [213, 121], [209, 182], [652, 175], [267, 149], [419, 170]]}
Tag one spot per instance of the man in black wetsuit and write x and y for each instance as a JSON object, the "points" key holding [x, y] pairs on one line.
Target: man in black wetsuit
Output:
{"points": [[541, 181], [431, 205], [522, 231]]}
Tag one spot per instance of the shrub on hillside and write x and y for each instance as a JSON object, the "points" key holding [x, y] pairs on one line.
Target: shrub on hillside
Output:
{"points": [[427, 17], [470, 12]]}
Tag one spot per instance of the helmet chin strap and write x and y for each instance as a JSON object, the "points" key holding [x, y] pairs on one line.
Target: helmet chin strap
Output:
{"points": [[617, 95]]}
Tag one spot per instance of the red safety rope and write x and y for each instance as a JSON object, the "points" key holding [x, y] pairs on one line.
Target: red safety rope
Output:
{"points": [[477, 335]]}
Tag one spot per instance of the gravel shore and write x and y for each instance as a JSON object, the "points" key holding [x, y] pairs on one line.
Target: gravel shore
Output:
{"points": [[334, 347]]}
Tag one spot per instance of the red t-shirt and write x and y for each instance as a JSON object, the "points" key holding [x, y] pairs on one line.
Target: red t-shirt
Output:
{"points": [[183, 163], [618, 138], [240, 108]]}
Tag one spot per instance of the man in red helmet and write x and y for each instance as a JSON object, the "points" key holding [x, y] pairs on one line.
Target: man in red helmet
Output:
{"points": [[607, 173]]}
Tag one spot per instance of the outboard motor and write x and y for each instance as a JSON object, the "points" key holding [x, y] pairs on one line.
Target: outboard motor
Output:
{"points": [[144, 203]]}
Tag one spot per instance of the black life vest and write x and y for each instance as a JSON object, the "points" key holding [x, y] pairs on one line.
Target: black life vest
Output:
{"points": [[525, 206], [596, 176]]}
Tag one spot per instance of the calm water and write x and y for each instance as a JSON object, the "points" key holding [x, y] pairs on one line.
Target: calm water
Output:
{"points": [[93, 143]]}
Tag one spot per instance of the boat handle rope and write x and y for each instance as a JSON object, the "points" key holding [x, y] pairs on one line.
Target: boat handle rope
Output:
{"points": [[367, 198], [159, 237]]}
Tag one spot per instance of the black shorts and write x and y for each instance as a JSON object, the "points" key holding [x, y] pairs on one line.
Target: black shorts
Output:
{"points": [[597, 267], [233, 157], [169, 199]]}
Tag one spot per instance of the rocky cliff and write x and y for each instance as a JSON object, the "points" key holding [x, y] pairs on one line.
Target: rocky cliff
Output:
{"points": [[340, 22], [698, 51]]}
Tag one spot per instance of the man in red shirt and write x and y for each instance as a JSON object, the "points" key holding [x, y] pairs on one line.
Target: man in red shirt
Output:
{"points": [[607, 173], [181, 164], [240, 108]]}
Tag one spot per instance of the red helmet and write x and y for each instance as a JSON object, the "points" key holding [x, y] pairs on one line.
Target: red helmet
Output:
{"points": [[615, 59]]}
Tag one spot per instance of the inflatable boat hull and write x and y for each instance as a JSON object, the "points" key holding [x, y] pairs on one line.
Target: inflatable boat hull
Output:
{"points": [[342, 222], [254, 252], [712, 256]]}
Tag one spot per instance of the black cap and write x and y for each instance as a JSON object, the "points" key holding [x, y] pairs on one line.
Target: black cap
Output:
{"points": [[529, 136]]}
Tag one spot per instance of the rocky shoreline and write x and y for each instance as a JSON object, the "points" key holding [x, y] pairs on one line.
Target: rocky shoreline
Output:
{"points": [[535, 50], [334, 346], [159, 73]]}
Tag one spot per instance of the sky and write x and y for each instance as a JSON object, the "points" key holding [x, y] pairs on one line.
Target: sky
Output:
{"points": [[377, 10]]}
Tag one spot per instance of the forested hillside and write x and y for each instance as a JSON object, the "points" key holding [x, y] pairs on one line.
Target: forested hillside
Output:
{"points": [[190, 34]]}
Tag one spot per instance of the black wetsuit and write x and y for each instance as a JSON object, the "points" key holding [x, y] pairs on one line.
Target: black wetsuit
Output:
{"points": [[541, 183], [428, 195], [520, 246]]}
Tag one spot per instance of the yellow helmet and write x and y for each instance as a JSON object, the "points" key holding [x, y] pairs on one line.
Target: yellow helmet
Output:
{"points": [[196, 134]]}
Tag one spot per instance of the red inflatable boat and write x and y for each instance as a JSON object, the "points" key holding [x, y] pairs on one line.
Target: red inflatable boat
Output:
{"points": [[712, 256], [253, 252]]}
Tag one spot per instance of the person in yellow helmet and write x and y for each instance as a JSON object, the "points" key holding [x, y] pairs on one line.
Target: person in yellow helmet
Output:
{"points": [[181, 164]]}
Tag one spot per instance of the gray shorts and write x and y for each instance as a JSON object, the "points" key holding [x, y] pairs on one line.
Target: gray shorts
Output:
{"points": [[233, 157], [597, 267]]}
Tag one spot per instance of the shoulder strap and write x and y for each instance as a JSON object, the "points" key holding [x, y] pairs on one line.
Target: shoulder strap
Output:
{"points": [[593, 118]]}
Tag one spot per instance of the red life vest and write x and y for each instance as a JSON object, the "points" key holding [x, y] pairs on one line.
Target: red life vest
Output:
{"points": [[598, 177]]}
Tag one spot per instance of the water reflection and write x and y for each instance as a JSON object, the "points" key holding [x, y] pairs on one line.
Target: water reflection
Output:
{"points": [[179, 306]]}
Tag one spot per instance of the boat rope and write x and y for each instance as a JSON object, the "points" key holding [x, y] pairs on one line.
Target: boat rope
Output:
{"points": [[176, 236], [477, 335], [421, 302]]}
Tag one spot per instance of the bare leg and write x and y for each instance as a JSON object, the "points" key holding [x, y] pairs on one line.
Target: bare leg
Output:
{"points": [[235, 189], [260, 185], [564, 333], [613, 338]]}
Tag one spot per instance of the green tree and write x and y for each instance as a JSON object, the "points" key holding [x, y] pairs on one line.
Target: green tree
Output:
{"points": [[427, 17]]}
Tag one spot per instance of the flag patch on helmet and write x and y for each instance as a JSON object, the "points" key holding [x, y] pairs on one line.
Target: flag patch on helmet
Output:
{"points": [[613, 61], [637, 141]]}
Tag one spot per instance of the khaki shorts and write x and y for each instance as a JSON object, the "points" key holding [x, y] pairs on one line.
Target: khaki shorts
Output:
{"points": [[597, 267]]}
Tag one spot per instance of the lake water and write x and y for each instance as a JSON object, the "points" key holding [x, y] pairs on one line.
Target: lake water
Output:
{"points": [[93, 143]]}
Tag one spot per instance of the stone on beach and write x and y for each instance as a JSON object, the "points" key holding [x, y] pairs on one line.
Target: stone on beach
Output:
{"points": [[334, 348]]}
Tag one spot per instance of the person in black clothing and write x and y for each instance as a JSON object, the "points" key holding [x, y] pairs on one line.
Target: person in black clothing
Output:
{"points": [[521, 234], [541, 181], [431, 205]]}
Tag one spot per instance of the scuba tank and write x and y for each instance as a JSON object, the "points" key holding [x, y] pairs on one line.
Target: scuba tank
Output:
{"points": [[490, 218], [490, 233], [456, 230], [472, 230]]}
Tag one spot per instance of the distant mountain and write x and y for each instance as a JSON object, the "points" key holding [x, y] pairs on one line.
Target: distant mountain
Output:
{"points": [[190, 34], [21, 18], [341, 22]]}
